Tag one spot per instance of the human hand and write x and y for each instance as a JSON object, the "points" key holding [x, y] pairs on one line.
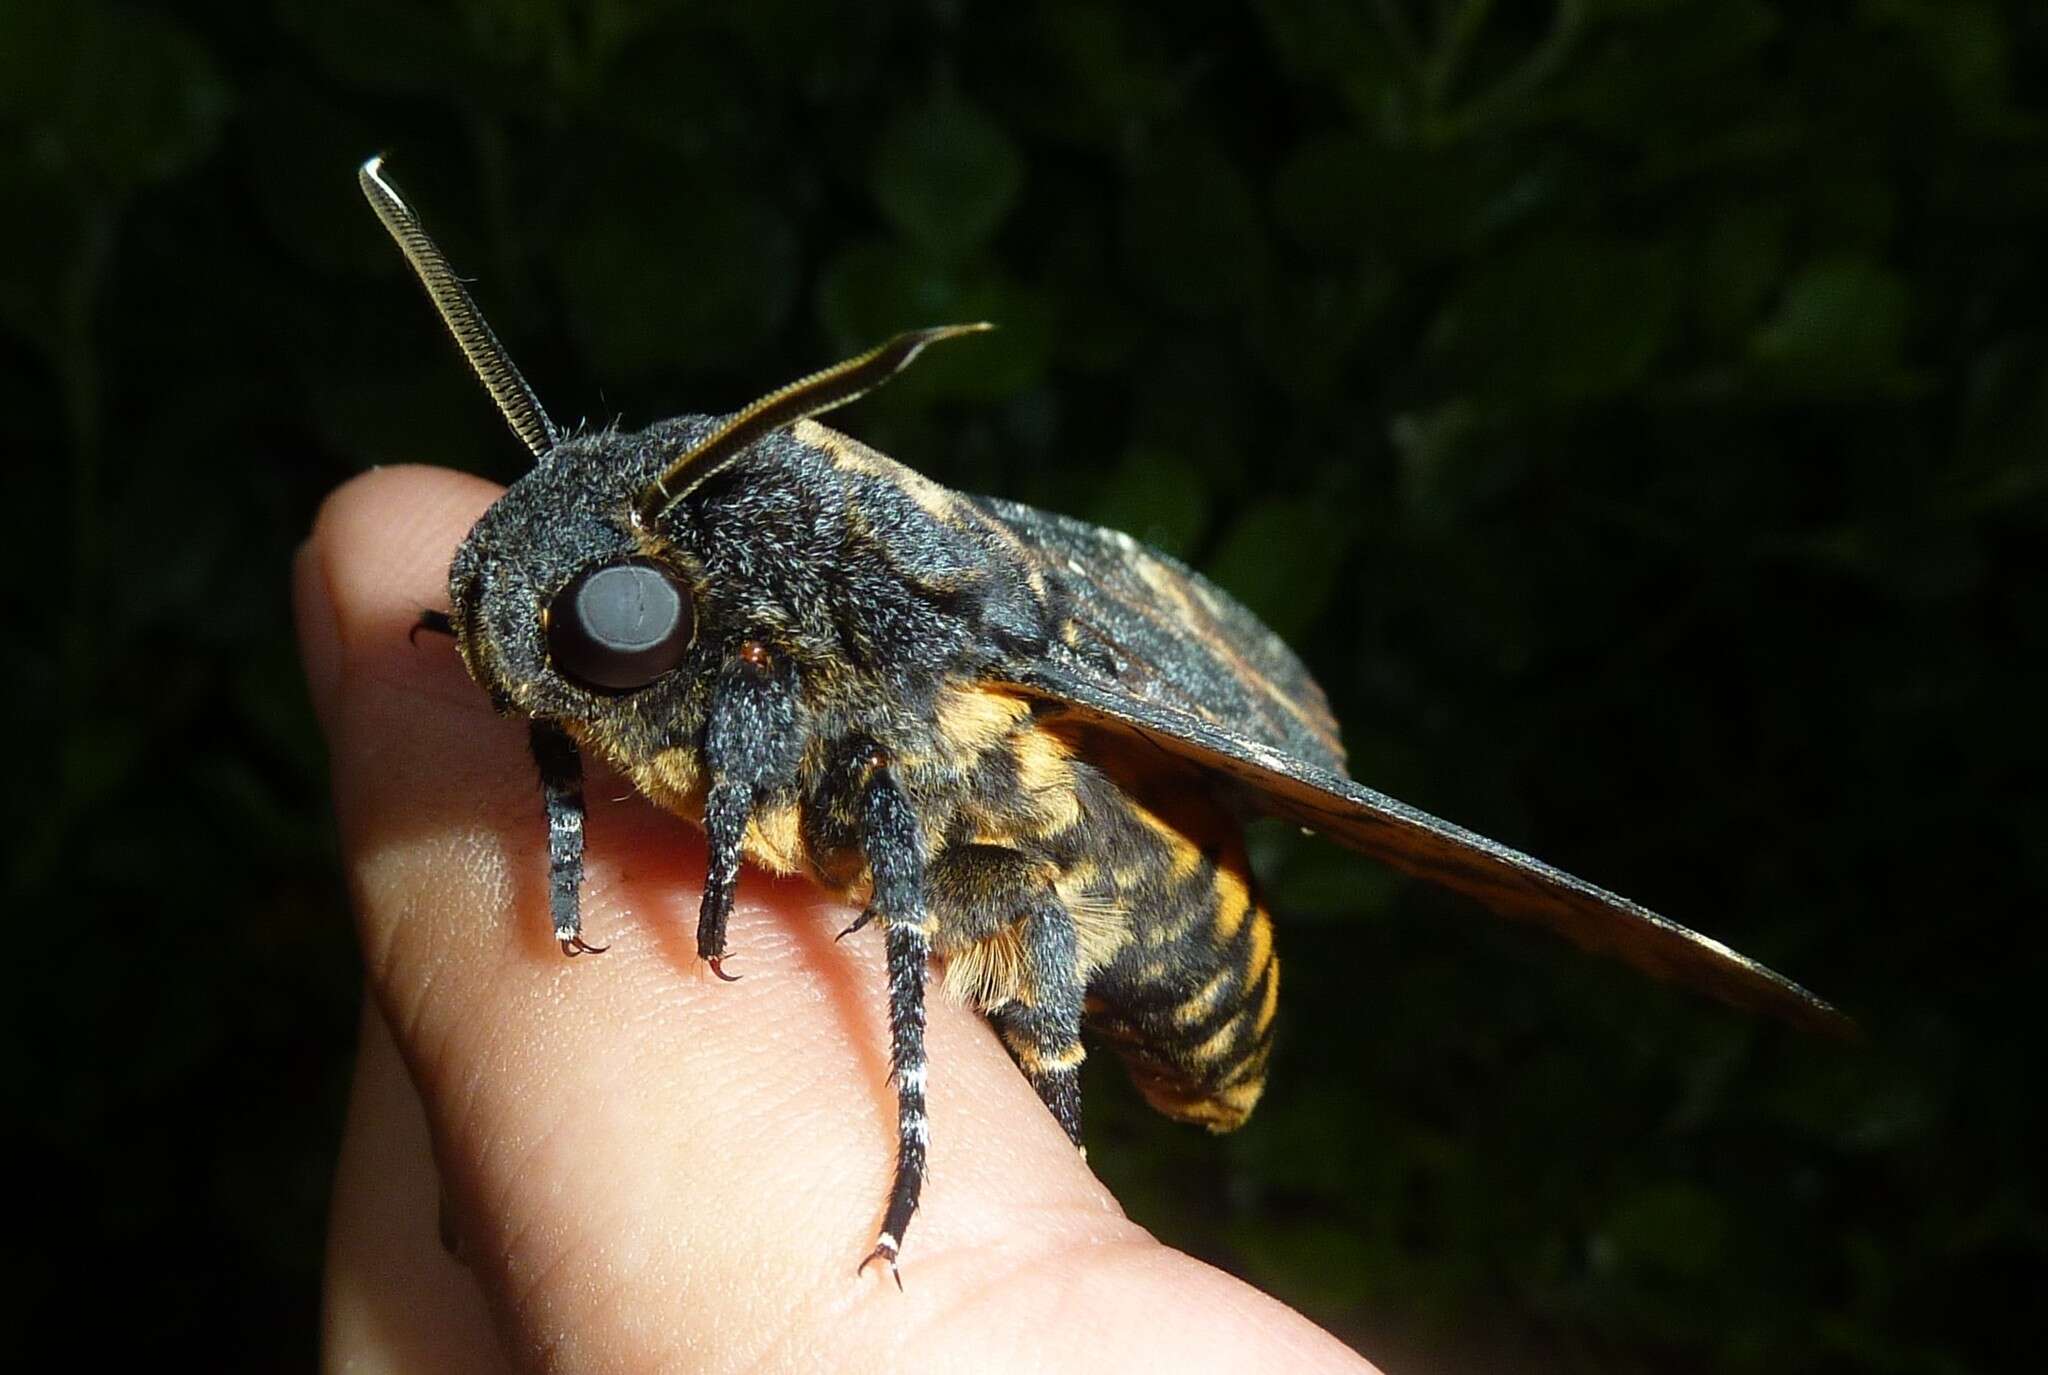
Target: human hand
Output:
{"points": [[647, 1168]]}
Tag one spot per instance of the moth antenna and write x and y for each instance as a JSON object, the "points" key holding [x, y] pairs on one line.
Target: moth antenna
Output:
{"points": [[487, 357], [814, 395]]}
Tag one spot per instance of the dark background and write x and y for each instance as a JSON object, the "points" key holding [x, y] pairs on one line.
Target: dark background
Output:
{"points": [[1636, 411]]}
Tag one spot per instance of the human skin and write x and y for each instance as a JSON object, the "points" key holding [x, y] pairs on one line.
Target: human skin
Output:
{"points": [[649, 1169]]}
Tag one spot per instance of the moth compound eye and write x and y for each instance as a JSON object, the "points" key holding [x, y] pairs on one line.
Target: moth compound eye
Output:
{"points": [[619, 626]]}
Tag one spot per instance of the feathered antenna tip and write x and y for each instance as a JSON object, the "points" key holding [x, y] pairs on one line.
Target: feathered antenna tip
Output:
{"points": [[487, 357]]}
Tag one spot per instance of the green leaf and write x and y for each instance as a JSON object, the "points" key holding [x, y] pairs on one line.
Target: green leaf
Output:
{"points": [[1324, 1266], [1327, 194], [1840, 327], [1281, 559], [1349, 196], [873, 290], [710, 278], [300, 149], [1963, 41], [1112, 78], [1741, 258], [385, 46], [1309, 324], [1678, 1228], [1098, 328], [1348, 45], [1156, 496], [1566, 317], [125, 98], [947, 175], [1448, 460], [1193, 236]]}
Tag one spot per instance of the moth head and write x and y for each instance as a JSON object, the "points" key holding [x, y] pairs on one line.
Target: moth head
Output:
{"points": [[562, 608], [567, 591]]}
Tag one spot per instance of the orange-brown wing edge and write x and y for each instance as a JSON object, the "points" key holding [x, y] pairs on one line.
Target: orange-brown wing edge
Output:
{"points": [[1507, 881]]}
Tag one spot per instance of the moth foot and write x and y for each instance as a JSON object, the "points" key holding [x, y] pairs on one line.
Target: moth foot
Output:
{"points": [[434, 623], [858, 922], [717, 963], [885, 1252], [573, 946]]}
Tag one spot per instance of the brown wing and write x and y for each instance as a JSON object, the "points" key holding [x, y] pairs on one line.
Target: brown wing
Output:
{"points": [[1511, 883], [1130, 616], [1155, 651], [1157, 631]]}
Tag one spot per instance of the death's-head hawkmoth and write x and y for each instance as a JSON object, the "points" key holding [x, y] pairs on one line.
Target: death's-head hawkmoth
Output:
{"points": [[1022, 744]]}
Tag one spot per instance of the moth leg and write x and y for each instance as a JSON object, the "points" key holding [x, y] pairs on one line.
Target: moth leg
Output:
{"points": [[893, 846], [434, 623], [726, 809], [750, 745], [1042, 1029], [1011, 949], [561, 790]]}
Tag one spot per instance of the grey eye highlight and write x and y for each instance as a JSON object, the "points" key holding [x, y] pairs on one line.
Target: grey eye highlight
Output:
{"points": [[619, 626]]}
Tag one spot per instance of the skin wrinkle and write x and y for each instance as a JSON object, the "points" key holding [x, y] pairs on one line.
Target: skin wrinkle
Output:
{"points": [[1059, 1261], [813, 945], [413, 940], [434, 1063], [536, 1301], [762, 1112], [382, 966], [413, 1298], [991, 1278], [965, 1251], [432, 1045], [486, 1141], [441, 952], [988, 1271], [592, 1286], [754, 1116]]}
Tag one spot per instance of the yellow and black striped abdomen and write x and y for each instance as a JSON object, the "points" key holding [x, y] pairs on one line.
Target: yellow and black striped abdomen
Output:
{"points": [[1171, 947], [1188, 1001]]}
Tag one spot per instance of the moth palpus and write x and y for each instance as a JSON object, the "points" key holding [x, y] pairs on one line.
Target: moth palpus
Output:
{"points": [[1023, 745]]}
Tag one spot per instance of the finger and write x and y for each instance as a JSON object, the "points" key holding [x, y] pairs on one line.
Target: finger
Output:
{"points": [[395, 1299], [652, 1168]]}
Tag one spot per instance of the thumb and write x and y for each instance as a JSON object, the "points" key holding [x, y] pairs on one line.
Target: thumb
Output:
{"points": [[649, 1168]]}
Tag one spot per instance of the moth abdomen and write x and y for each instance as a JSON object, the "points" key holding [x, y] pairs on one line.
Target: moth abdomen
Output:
{"points": [[1173, 947], [1189, 1001]]}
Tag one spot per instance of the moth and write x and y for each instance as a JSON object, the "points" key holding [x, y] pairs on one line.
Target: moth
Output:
{"points": [[1023, 745]]}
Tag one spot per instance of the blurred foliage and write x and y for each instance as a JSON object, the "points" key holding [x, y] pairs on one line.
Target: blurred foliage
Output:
{"points": [[1636, 410]]}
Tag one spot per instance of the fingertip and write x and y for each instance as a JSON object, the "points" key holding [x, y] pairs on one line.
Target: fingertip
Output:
{"points": [[404, 521], [376, 557], [382, 543]]}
